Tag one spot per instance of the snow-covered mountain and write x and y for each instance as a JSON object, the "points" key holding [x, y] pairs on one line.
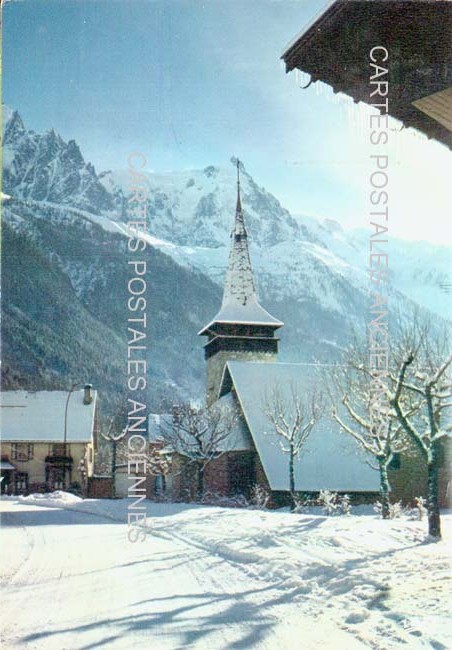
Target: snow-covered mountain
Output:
{"points": [[64, 307], [195, 207], [295, 256], [45, 168], [420, 270], [69, 221], [297, 275]]}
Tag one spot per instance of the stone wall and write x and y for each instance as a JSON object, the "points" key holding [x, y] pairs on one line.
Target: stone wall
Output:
{"points": [[235, 472], [216, 477], [410, 480], [216, 363], [100, 487]]}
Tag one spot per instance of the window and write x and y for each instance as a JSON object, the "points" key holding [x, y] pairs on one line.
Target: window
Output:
{"points": [[22, 451], [21, 483], [56, 478], [58, 449], [159, 485]]}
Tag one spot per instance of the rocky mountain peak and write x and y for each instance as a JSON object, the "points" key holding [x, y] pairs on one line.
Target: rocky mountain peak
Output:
{"points": [[72, 153], [14, 129], [46, 168]]}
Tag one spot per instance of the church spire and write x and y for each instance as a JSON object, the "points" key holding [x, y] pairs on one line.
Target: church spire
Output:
{"points": [[239, 286], [240, 304], [239, 203]]}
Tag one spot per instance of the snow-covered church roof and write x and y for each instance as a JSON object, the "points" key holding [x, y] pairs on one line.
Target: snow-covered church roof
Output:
{"points": [[330, 459], [240, 303], [40, 416]]}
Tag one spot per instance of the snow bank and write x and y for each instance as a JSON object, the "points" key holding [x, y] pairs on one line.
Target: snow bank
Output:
{"points": [[58, 499]]}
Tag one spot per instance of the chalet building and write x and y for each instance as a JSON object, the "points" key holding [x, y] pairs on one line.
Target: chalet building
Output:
{"points": [[46, 439], [242, 371]]}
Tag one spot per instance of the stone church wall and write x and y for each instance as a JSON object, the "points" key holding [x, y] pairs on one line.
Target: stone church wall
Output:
{"points": [[216, 364]]}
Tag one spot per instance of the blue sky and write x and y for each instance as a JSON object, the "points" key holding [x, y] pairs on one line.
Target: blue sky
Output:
{"points": [[192, 83]]}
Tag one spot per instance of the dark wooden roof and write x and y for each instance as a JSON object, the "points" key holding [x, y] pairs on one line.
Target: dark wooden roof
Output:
{"points": [[418, 35]]}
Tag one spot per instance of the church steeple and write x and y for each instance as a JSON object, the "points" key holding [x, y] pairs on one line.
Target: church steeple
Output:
{"points": [[239, 284], [242, 329]]}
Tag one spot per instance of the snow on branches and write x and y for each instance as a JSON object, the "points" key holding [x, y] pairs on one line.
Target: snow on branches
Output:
{"points": [[293, 415], [199, 434]]}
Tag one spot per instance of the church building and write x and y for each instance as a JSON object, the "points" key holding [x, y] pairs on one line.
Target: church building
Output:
{"points": [[243, 371]]}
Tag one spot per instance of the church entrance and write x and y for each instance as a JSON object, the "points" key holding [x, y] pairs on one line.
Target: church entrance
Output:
{"points": [[241, 473]]}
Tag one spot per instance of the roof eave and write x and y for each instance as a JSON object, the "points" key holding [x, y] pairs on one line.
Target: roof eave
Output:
{"points": [[276, 324], [302, 38], [297, 55], [40, 441]]}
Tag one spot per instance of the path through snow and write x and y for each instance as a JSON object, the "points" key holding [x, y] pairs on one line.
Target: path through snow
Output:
{"points": [[217, 578]]}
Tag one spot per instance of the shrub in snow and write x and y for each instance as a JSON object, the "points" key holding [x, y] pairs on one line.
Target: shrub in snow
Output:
{"points": [[420, 509], [421, 506], [396, 510], [215, 499], [345, 505], [259, 497], [328, 501], [334, 504], [302, 504]]}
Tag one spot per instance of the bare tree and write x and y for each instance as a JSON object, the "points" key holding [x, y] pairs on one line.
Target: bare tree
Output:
{"points": [[120, 445], [421, 395], [200, 434], [370, 420], [293, 416], [105, 461], [411, 401]]}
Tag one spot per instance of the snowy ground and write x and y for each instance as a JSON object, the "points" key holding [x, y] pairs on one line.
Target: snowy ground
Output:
{"points": [[217, 578]]}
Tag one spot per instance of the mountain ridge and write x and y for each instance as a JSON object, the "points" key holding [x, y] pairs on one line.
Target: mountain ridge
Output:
{"points": [[68, 223]]}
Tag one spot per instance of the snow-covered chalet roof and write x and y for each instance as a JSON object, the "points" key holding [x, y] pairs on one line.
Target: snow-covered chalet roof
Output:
{"points": [[330, 459], [40, 416]]}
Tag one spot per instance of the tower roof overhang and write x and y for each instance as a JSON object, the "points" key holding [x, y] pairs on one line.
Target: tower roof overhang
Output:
{"points": [[235, 313], [417, 35]]}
